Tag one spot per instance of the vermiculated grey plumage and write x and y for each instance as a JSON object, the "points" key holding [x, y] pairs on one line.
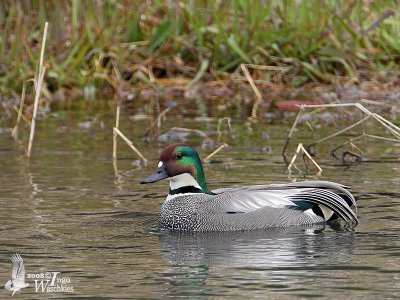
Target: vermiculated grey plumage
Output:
{"points": [[256, 207]]}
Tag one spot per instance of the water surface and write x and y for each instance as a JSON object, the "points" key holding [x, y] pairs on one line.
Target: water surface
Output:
{"points": [[71, 210]]}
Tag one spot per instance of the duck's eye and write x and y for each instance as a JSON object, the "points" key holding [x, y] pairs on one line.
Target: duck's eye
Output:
{"points": [[179, 155]]}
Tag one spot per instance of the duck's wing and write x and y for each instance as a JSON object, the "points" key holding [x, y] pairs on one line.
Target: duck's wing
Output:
{"points": [[327, 199], [18, 269], [337, 188]]}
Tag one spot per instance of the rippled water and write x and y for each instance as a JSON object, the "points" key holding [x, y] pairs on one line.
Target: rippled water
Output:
{"points": [[70, 210]]}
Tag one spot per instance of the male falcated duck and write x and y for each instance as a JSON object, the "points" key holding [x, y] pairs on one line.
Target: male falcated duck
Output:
{"points": [[192, 206]]}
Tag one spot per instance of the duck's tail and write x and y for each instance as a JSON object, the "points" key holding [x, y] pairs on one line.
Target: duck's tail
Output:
{"points": [[327, 199]]}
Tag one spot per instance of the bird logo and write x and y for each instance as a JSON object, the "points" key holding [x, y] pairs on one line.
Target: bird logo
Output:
{"points": [[17, 280]]}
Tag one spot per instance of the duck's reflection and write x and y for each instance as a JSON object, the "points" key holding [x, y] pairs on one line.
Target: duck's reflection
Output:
{"points": [[241, 248], [196, 257]]}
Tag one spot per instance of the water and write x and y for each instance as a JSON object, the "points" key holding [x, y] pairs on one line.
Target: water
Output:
{"points": [[70, 210]]}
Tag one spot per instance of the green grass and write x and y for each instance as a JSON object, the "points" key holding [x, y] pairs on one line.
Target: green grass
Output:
{"points": [[89, 41]]}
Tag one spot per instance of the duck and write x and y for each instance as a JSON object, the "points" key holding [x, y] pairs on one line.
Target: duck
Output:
{"points": [[192, 207]]}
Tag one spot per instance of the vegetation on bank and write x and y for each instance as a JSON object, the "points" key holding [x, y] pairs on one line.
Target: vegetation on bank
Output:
{"points": [[109, 43]]}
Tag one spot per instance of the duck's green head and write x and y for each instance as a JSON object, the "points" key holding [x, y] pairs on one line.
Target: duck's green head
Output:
{"points": [[182, 165]]}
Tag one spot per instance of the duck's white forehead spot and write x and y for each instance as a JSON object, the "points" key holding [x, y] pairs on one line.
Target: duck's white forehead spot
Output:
{"points": [[160, 164]]}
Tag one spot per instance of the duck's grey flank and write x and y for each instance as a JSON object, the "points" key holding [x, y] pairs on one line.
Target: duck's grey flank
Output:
{"points": [[255, 207]]}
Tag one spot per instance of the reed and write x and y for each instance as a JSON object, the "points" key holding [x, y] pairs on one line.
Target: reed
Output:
{"points": [[130, 144], [391, 131], [312, 40], [300, 149], [117, 132], [208, 158], [117, 114], [38, 87], [14, 133]]}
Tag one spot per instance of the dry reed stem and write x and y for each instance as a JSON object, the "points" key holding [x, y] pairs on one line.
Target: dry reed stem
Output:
{"points": [[228, 120], [46, 27], [207, 159], [353, 146], [372, 102], [117, 86], [311, 129], [255, 90], [377, 137], [157, 121], [199, 132], [295, 122], [6, 110], [38, 87], [35, 108], [130, 144], [219, 81], [364, 135], [150, 72], [115, 167], [114, 133], [301, 148], [21, 107], [267, 68], [393, 129], [388, 125], [318, 110], [23, 117], [340, 131], [162, 115], [116, 69]]}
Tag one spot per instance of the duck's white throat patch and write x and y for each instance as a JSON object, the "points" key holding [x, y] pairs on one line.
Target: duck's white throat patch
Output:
{"points": [[182, 180], [160, 164]]}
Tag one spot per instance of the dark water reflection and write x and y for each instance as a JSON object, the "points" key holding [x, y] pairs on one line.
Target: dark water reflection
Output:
{"points": [[71, 210]]}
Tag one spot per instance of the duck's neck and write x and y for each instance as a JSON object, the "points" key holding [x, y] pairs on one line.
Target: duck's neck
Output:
{"points": [[186, 183]]}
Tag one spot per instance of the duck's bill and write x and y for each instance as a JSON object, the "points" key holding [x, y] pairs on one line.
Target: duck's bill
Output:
{"points": [[158, 175]]}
